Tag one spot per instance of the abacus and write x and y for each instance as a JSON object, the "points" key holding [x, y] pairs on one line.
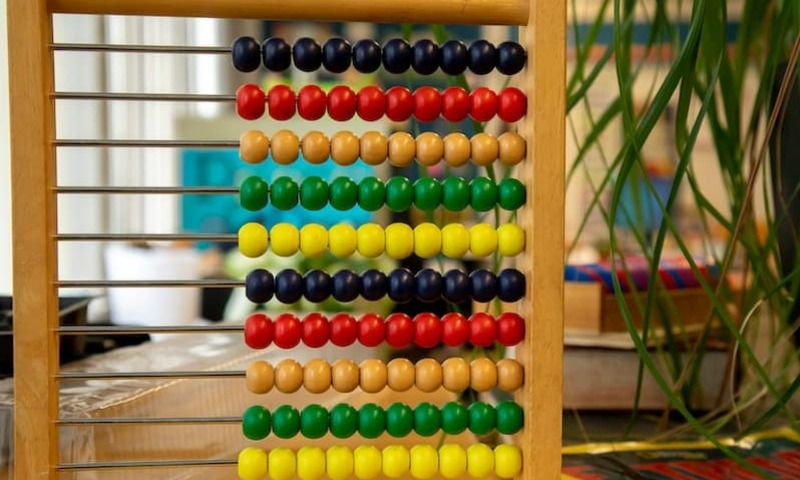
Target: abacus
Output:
{"points": [[534, 146]]}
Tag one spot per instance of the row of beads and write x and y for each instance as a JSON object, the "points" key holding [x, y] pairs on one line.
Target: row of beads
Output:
{"points": [[397, 240], [371, 103], [344, 148], [366, 56], [372, 376], [371, 420], [401, 286], [367, 462], [425, 330], [398, 193]]}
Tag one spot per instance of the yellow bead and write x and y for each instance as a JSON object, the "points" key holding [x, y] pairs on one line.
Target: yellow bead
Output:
{"points": [[253, 146], [480, 460], [430, 149], [285, 239], [281, 464], [510, 239], [371, 240], [316, 147], [253, 239], [374, 148], [455, 240], [427, 240], [402, 149], [452, 461], [395, 461], [367, 462], [424, 462], [252, 464], [342, 240], [313, 240], [339, 463], [311, 463], [285, 147], [507, 461], [482, 240], [399, 241]]}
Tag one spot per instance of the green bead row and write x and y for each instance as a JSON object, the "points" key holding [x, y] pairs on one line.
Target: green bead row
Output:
{"points": [[371, 420], [398, 193]]}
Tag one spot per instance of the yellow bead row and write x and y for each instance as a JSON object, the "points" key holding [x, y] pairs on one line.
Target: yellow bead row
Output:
{"points": [[366, 462], [397, 240]]}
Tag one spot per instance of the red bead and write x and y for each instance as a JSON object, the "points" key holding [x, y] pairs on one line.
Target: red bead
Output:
{"points": [[482, 104], [427, 330], [427, 104], [455, 330], [343, 330], [371, 103], [399, 104], [482, 329], [370, 330], [510, 329], [341, 103], [399, 330], [512, 104], [258, 331], [311, 102], [282, 102], [250, 101], [455, 104], [315, 330], [287, 331]]}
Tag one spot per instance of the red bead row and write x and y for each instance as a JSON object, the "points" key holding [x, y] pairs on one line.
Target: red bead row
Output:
{"points": [[454, 104], [425, 330]]}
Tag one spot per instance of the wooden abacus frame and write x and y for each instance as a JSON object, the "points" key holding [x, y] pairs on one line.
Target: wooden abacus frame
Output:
{"points": [[36, 336]]}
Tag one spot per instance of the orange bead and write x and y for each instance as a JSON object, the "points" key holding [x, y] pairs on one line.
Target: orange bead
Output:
{"points": [[511, 148], [317, 376], [400, 374], [372, 375], [455, 374], [253, 146], [402, 149], [510, 375], [456, 149], [344, 373], [260, 377], [288, 376], [430, 149], [374, 148], [344, 148], [285, 147], [482, 375], [428, 375], [316, 147], [484, 149]]}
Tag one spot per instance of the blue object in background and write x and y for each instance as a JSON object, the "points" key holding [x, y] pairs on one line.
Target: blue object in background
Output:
{"points": [[638, 208]]}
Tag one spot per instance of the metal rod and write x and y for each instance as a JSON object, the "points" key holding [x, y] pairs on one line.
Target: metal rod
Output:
{"points": [[146, 237], [107, 47], [150, 190], [147, 143], [155, 97], [146, 464], [149, 283], [148, 421], [195, 374], [120, 330]]}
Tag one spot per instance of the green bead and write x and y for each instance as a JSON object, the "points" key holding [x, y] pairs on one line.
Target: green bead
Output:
{"points": [[256, 422], [427, 193], [509, 417], [371, 194], [283, 193], [482, 194], [285, 421], [427, 419], [399, 420], [344, 193], [313, 193], [314, 421], [454, 418], [455, 194], [481, 418], [253, 193], [371, 420], [344, 421], [510, 194], [399, 194]]}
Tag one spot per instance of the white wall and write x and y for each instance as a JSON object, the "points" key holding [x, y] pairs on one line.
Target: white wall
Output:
{"points": [[5, 173]]}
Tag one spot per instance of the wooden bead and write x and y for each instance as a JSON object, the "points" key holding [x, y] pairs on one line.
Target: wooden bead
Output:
{"points": [[373, 375], [511, 148], [482, 375], [430, 149], [455, 374], [316, 147], [484, 149], [509, 375], [288, 376], [374, 148], [253, 146], [402, 149], [260, 377], [400, 374], [456, 149], [344, 375], [344, 148], [285, 147], [317, 376], [428, 375]]}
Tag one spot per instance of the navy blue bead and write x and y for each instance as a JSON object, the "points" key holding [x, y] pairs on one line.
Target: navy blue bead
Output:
{"points": [[456, 286], [396, 55], [307, 54], [426, 57], [276, 54], [454, 57], [483, 285], [246, 54], [481, 57], [317, 286], [428, 284], [510, 285], [288, 286], [346, 286], [510, 58], [366, 56], [336, 55], [259, 285], [373, 285], [401, 285]]}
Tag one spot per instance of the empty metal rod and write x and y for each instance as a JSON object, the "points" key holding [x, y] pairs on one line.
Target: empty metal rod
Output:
{"points": [[82, 142], [148, 421], [196, 374], [150, 190], [149, 283], [146, 237], [123, 330], [110, 47], [155, 97], [146, 464]]}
